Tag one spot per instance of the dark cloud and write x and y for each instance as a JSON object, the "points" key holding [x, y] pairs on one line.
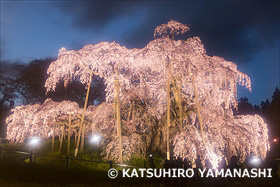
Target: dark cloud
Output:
{"points": [[2, 48], [7, 67], [10, 68], [96, 14], [234, 30]]}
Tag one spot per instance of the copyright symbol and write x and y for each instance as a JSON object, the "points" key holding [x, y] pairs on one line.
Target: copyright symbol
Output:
{"points": [[112, 173]]}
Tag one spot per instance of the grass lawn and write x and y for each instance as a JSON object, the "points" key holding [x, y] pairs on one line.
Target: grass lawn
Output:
{"points": [[17, 173], [48, 171]]}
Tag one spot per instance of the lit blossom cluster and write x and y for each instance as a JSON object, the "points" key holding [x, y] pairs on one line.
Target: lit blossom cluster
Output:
{"points": [[132, 145], [172, 27], [146, 70], [38, 120], [225, 137]]}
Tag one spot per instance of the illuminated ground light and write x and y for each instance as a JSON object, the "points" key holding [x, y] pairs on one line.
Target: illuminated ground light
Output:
{"points": [[255, 161], [34, 141], [95, 138], [275, 140]]}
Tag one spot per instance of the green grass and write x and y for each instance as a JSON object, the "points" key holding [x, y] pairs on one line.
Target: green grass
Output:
{"points": [[48, 171], [17, 173], [13, 171], [89, 153]]}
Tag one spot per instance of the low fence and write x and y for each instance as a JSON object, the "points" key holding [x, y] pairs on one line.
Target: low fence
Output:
{"points": [[32, 154]]}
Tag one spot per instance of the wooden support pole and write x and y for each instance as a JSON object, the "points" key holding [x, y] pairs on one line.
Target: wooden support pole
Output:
{"points": [[82, 120], [111, 164], [67, 161], [1, 151], [133, 115], [118, 108], [31, 156], [61, 139], [178, 100], [177, 94], [83, 116], [78, 141], [129, 113], [75, 131], [128, 118], [180, 106], [168, 116], [53, 137], [198, 108], [69, 134], [64, 133]]}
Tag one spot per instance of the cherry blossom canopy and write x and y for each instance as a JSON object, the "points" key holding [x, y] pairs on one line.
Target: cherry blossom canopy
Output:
{"points": [[143, 74]]}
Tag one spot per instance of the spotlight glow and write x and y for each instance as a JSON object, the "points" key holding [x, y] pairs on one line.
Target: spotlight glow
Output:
{"points": [[95, 138], [34, 141], [255, 160]]}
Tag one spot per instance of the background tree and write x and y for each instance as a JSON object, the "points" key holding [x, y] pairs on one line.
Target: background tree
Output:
{"points": [[273, 119], [7, 90], [264, 107], [274, 109], [244, 107], [31, 79], [7, 96]]}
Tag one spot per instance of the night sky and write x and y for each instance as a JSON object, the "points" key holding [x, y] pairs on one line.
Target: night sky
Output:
{"points": [[246, 33]]}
